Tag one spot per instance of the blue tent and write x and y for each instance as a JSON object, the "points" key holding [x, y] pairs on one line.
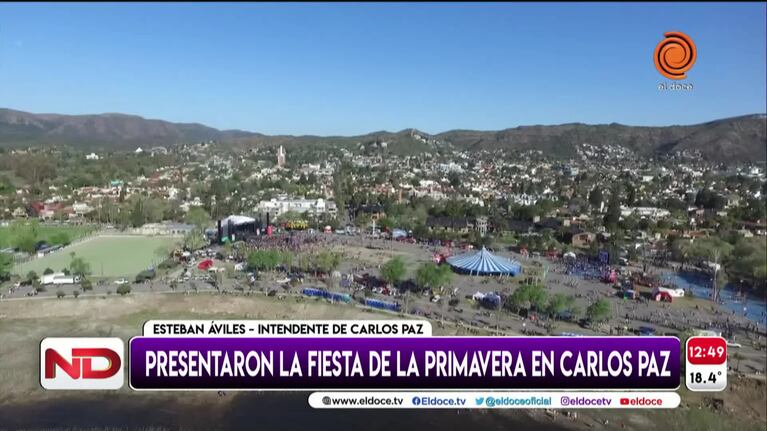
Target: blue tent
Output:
{"points": [[377, 303], [333, 296], [484, 263]]}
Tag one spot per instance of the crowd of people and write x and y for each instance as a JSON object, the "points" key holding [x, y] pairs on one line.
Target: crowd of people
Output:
{"points": [[294, 241]]}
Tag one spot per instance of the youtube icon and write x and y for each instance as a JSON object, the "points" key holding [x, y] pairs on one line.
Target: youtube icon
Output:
{"points": [[641, 401]]}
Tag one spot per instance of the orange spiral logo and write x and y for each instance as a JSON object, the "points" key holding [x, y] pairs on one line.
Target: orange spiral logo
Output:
{"points": [[675, 55]]}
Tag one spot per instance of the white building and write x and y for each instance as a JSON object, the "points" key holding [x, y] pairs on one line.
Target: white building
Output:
{"points": [[281, 156], [450, 167], [81, 209], [277, 207], [651, 212], [164, 229]]}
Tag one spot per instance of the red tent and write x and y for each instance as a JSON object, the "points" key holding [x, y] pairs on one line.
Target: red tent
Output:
{"points": [[663, 296], [205, 264]]}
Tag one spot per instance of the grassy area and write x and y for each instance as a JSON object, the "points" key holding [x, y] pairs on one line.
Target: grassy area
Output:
{"points": [[108, 256], [45, 233]]}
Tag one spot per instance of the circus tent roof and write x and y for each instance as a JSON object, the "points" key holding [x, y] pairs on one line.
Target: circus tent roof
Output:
{"points": [[483, 262]]}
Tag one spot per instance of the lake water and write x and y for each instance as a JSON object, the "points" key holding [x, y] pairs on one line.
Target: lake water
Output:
{"points": [[754, 308]]}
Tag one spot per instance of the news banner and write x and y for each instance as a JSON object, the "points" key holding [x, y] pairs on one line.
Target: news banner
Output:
{"points": [[389, 364]]}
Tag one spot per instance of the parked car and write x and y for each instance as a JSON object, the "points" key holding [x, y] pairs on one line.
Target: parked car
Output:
{"points": [[121, 281], [145, 275]]}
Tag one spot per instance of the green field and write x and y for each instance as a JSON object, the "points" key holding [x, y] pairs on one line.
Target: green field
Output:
{"points": [[45, 232], [108, 256]]}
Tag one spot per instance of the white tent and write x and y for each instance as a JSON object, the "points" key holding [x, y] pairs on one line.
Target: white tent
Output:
{"points": [[237, 220]]}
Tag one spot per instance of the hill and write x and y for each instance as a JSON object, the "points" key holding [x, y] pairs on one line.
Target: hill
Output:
{"points": [[117, 131], [730, 139]]}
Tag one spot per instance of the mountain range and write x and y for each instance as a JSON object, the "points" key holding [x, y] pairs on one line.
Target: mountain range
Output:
{"points": [[741, 138]]}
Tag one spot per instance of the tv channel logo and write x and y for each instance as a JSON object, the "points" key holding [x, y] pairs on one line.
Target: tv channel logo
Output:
{"points": [[675, 55], [82, 363]]}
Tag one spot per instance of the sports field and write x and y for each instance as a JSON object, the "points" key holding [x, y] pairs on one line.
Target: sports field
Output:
{"points": [[108, 256]]}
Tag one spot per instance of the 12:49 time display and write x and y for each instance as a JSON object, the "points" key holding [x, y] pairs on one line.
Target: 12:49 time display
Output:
{"points": [[706, 368], [706, 350]]}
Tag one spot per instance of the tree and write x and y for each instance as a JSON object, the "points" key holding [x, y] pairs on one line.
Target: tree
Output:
{"points": [[48, 271], [596, 197], [426, 276], [709, 199], [218, 279], [444, 275], [613, 211], [197, 217], [26, 242], [60, 294], [748, 260], [631, 195], [153, 210], [137, 216], [162, 252], [560, 304], [393, 271], [304, 262], [432, 276], [79, 266], [599, 311], [123, 289], [6, 186], [286, 260], [194, 240], [455, 179], [86, 285], [326, 261], [6, 263], [172, 210], [31, 276], [528, 296], [76, 293], [264, 259]]}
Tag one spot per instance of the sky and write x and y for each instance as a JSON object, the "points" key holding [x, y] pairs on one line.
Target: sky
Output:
{"points": [[345, 69]]}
